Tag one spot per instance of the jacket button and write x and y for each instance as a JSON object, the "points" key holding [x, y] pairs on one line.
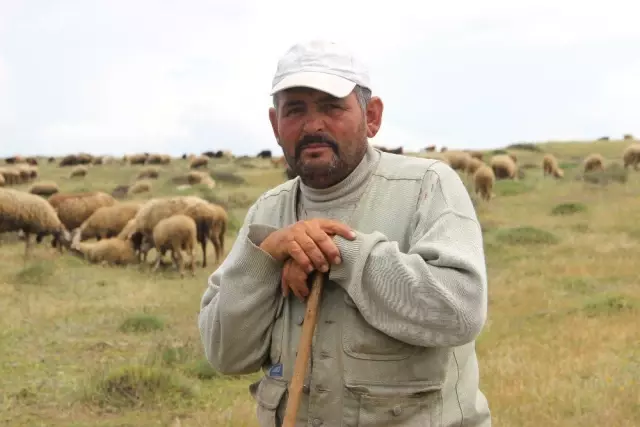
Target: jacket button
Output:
{"points": [[397, 410], [300, 320]]}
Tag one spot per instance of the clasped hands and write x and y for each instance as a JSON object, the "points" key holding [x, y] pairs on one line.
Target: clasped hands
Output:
{"points": [[304, 247]]}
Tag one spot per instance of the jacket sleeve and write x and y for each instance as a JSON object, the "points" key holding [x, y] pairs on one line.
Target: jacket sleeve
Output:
{"points": [[239, 304], [435, 294]]}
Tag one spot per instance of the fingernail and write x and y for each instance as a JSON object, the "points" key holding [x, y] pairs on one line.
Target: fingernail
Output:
{"points": [[324, 268], [310, 269], [353, 234], [337, 260]]}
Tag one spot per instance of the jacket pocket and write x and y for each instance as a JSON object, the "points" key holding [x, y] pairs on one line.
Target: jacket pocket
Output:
{"points": [[268, 395], [411, 407], [360, 340], [277, 333]]}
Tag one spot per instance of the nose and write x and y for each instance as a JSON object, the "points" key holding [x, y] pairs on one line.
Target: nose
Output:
{"points": [[314, 123]]}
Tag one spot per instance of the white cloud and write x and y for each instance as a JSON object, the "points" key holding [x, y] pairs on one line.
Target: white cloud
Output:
{"points": [[122, 76]]}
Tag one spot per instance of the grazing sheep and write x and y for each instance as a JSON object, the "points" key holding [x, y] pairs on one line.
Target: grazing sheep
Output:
{"points": [[74, 208], [175, 233], [631, 156], [197, 177], [136, 159], [106, 221], [513, 157], [120, 192], [10, 176], [593, 162], [2, 180], [198, 162], [458, 160], [483, 180], [477, 155], [550, 166], [158, 159], [138, 187], [79, 171], [149, 172], [31, 214], [44, 188], [211, 221], [473, 165], [111, 251], [504, 167]]}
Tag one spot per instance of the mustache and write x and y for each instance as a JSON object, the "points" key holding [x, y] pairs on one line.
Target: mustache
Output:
{"points": [[315, 139]]}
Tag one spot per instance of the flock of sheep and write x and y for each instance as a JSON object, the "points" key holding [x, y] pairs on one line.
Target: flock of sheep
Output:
{"points": [[103, 229], [505, 166], [124, 231]]}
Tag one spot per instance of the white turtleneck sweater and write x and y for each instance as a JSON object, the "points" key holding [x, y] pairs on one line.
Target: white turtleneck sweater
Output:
{"points": [[398, 316]]}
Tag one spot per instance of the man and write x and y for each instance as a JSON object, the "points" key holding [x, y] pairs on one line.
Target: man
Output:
{"points": [[401, 246]]}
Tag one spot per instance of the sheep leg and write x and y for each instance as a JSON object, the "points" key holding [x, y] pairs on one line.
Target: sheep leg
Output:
{"points": [[176, 255], [158, 259], [27, 244], [193, 261], [203, 243], [215, 241]]}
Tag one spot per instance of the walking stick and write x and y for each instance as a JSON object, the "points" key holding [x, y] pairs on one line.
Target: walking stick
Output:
{"points": [[304, 350]]}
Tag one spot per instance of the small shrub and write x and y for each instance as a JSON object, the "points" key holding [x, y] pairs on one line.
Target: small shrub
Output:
{"points": [[613, 173], [499, 151], [608, 305], [138, 386], [202, 370], [508, 187], [525, 147], [568, 165], [238, 200], [227, 177], [526, 236], [568, 209], [38, 273], [141, 323]]}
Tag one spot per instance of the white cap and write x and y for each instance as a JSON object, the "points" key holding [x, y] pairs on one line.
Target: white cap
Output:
{"points": [[322, 65]]}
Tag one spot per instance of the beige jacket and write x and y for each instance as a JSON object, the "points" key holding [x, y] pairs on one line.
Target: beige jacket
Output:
{"points": [[394, 342]]}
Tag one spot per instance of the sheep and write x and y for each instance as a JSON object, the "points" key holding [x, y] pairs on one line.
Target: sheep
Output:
{"points": [[44, 188], [78, 171], [504, 167], [197, 162], [477, 155], [550, 166], [513, 157], [458, 160], [197, 177], [149, 172], [138, 187], [31, 214], [175, 233], [593, 162], [473, 165], [136, 159], [106, 221], [113, 251], [2, 181], [10, 176], [631, 156], [74, 208], [158, 159], [483, 180], [211, 220]]}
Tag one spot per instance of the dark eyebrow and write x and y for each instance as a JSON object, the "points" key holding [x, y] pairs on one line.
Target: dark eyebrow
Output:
{"points": [[293, 103], [329, 98]]}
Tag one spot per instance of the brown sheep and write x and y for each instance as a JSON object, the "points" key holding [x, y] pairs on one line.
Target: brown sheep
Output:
{"points": [[107, 221], [550, 166], [593, 162], [31, 214], [198, 162], [483, 180], [138, 187], [149, 172], [513, 157], [211, 220], [175, 233], [74, 208], [631, 156], [111, 251], [44, 188], [473, 165], [477, 155], [79, 171], [136, 159], [458, 160], [2, 180], [504, 167]]}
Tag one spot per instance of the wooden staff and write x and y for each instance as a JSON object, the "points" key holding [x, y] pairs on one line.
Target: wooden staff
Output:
{"points": [[304, 350]]}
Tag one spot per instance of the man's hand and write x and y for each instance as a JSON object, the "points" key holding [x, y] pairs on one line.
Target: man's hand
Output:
{"points": [[294, 279], [309, 243]]}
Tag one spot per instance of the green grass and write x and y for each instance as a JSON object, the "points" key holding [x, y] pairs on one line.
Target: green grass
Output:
{"points": [[85, 345]]}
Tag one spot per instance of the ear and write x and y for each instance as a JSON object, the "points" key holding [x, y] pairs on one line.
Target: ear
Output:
{"points": [[374, 116], [273, 118]]}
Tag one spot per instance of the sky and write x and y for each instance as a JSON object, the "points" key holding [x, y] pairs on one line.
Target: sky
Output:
{"points": [[116, 76]]}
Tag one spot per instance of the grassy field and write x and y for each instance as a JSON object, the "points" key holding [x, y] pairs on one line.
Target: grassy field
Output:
{"points": [[85, 345]]}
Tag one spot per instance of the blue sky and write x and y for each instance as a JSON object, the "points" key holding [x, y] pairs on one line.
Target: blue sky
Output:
{"points": [[117, 77]]}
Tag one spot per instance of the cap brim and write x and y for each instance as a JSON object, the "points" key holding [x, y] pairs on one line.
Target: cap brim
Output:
{"points": [[329, 83]]}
